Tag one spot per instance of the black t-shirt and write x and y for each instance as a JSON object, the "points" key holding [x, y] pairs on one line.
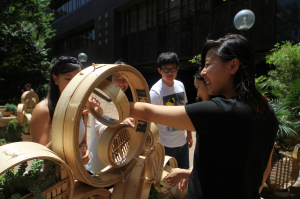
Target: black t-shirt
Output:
{"points": [[232, 149]]}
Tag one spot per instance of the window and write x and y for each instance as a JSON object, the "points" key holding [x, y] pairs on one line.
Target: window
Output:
{"points": [[262, 31], [141, 47], [132, 47], [202, 5], [184, 8], [125, 47], [191, 7], [174, 37], [151, 10], [142, 22], [187, 31], [162, 39], [70, 6], [74, 3], [151, 45], [219, 23], [287, 21], [133, 19], [124, 23], [83, 39], [218, 3], [162, 13], [174, 10], [201, 31]]}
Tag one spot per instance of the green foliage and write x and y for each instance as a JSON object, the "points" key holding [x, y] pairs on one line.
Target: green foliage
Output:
{"points": [[15, 196], [10, 107], [286, 59], [282, 87], [196, 60], [12, 127], [18, 184], [287, 124], [154, 193], [2, 141], [24, 29]]}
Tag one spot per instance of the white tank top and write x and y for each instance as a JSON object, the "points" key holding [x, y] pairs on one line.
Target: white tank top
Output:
{"points": [[81, 129]]}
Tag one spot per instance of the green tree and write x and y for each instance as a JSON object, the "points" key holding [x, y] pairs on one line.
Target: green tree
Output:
{"points": [[282, 87], [24, 30]]}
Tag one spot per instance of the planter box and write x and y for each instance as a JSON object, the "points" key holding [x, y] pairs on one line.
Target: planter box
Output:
{"points": [[26, 137], [4, 120], [7, 113]]}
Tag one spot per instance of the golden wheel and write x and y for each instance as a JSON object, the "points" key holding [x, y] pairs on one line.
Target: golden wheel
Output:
{"points": [[29, 99], [152, 137], [20, 114], [86, 192], [116, 146], [283, 175], [14, 154], [68, 113]]}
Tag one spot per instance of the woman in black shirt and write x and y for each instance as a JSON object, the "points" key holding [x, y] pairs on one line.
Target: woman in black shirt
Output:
{"points": [[235, 136]]}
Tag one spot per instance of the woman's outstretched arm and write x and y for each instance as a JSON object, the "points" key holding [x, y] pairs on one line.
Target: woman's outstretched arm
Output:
{"points": [[174, 116]]}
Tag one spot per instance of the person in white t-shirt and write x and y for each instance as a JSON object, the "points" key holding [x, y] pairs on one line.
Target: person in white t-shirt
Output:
{"points": [[170, 92], [28, 87]]}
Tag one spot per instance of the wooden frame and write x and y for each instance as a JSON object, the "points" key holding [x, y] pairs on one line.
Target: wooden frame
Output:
{"points": [[65, 125]]}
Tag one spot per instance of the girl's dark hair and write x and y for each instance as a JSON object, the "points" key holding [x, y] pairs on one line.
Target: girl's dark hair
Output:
{"points": [[120, 61], [234, 46], [198, 75], [167, 58], [62, 65]]}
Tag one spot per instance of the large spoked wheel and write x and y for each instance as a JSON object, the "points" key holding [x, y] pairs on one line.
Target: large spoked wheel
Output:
{"points": [[68, 113]]}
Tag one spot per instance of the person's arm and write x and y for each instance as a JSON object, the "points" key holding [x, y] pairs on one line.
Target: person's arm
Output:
{"points": [[267, 171], [174, 116], [189, 138], [155, 99], [40, 124], [83, 145]]}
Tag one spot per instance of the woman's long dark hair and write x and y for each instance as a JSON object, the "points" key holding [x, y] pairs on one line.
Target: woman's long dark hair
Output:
{"points": [[234, 46], [62, 66]]}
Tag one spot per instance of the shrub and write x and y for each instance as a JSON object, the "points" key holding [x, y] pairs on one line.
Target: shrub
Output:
{"points": [[2, 141], [282, 87], [10, 107], [19, 183], [12, 129]]}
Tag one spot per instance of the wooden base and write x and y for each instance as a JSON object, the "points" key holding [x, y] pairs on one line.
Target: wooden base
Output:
{"points": [[26, 137]]}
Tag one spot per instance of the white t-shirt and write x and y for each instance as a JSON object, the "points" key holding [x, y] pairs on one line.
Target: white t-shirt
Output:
{"points": [[175, 95], [95, 165]]}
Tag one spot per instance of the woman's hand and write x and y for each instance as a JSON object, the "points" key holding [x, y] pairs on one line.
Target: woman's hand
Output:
{"points": [[183, 184], [95, 104], [128, 121], [175, 176], [85, 154]]}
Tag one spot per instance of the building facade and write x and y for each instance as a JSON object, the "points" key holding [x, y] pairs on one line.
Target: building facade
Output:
{"points": [[139, 30]]}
